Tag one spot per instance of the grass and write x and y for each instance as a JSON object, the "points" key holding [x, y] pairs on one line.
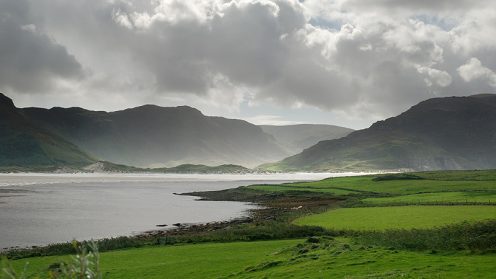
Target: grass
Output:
{"points": [[212, 260], [430, 182], [397, 217], [441, 197], [313, 258], [342, 259], [291, 187]]}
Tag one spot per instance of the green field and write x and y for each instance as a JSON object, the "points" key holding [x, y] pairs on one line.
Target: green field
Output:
{"points": [[182, 261], [441, 197], [430, 182], [339, 258], [397, 217]]}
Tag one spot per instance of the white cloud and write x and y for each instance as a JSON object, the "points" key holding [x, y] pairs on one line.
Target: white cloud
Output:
{"points": [[474, 70], [435, 77]]}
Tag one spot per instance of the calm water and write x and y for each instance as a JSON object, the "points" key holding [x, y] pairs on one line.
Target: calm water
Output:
{"points": [[40, 209]]}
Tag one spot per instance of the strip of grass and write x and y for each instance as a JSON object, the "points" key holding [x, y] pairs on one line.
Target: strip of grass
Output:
{"points": [[211, 260], [397, 217], [290, 187], [451, 197], [313, 258], [353, 185]]}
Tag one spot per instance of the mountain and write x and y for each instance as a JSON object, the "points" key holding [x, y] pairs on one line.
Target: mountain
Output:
{"points": [[153, 136], [295, 138], [23, 144], [439, 133]]}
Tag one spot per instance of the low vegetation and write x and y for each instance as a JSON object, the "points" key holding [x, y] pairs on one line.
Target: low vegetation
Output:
{"points": [[85, 264], [417, 225], [397, 217]]}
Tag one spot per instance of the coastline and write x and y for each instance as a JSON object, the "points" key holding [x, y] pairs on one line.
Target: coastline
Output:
{"points": [[31, 180], [271, 209]]}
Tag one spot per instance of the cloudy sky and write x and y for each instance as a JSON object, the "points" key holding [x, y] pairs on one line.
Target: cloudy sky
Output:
{"points": [[345, 62]]}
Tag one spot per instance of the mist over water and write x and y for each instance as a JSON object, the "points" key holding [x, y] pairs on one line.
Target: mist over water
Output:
{"points": [[38, 209]]}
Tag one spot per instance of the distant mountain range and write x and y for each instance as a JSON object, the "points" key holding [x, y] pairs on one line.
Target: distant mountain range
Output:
{"points": [[153, 136], [439, 133], [147, 137]]}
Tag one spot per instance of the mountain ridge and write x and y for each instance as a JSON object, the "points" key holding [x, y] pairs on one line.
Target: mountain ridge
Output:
{"points": [[154, 136], [438, 133], [25, 144]]}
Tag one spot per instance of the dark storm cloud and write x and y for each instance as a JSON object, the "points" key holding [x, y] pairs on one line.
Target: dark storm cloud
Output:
{"points": [[30, 61]]}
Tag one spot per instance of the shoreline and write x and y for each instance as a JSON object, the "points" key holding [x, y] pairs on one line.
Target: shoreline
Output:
{"points": [[271, 209]]}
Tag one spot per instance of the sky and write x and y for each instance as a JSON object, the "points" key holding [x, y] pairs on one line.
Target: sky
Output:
{"points": [[342, 62]]}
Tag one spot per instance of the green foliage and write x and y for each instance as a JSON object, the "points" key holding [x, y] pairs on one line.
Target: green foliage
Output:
{"points": [[9, 272], [85, 264], [106, 244], [397, 176], [480, 236], [247, 232]]}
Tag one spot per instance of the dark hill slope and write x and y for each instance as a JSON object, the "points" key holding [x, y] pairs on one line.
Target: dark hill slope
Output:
{"points": [[153, 136], [22, 144], [439, 133]]}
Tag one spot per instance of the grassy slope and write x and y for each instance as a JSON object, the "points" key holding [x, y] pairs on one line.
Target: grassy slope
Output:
{"points": [[23, 144], [397, 217], [182, 261], [439, 133], [340, 258]]}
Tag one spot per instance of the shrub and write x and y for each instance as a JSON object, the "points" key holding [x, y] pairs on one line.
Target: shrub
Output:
{"points": [[479, 236], [85, 264]]}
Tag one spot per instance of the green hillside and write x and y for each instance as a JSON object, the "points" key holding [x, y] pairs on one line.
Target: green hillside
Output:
{"points": [[151, 136], [440, 133], [22, 144]]}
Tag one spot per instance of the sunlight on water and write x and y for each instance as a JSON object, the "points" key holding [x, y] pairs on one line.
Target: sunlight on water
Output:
{"points": [[38, 209]]}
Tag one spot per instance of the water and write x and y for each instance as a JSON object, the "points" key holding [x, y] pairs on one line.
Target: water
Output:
{"points": [[38, 209]]}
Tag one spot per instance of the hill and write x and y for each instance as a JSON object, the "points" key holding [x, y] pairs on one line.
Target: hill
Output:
{"points": [[439, 133], [108, 167], [153, 136], [295, 138], [23, 144]]}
